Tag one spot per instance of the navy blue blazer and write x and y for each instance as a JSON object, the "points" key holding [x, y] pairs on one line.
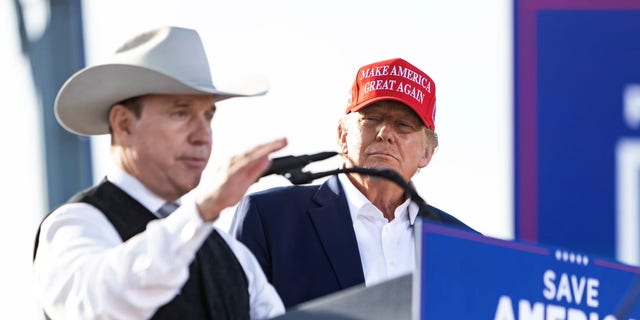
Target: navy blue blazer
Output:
{"points": [[304, 240]]}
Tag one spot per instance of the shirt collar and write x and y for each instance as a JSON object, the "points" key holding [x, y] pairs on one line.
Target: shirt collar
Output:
{"points": [[355, 198], [357, 201], [135, 189]]}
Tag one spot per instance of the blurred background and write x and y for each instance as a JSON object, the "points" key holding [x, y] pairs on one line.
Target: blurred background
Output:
{"points": [[309, 51]]}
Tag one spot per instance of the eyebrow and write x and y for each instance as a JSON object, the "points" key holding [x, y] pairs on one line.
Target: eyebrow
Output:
{"points": [[182, 103]]}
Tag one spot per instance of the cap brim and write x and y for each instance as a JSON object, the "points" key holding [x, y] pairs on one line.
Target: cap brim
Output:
{"points": [[366, 103], [83, 103]]}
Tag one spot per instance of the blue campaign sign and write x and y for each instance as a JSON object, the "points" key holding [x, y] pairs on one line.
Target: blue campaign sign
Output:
{"points": [[577, 125], [463, 275]]}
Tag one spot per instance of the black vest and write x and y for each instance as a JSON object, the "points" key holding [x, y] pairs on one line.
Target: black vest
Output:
{"points": [[217, 287]]}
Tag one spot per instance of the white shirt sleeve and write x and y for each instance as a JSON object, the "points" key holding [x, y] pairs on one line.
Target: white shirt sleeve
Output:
{"points": [[264, 300], [83, 270]]}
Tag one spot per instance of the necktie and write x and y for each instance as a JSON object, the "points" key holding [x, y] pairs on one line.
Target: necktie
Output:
{"points": [[167, 208]]}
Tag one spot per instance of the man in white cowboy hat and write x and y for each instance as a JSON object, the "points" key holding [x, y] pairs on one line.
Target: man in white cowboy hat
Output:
{"points": [[114, 251]]}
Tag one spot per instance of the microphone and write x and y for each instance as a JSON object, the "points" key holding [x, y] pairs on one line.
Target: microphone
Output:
{"points": [[282, 165], [291, 168], [298, 177]]}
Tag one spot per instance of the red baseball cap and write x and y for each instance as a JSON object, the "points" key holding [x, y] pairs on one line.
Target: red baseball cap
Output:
{"points": [[395, 79]]}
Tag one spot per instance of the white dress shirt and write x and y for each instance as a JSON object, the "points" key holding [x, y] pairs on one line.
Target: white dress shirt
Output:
{"points": [[83, 270], [387, 249]]}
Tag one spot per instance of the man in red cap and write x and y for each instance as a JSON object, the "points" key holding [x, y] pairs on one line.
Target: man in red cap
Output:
{"points": [[352, 229]]}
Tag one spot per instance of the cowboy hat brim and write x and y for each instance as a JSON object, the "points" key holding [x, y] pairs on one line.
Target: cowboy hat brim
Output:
{"points": [[83, 103]]}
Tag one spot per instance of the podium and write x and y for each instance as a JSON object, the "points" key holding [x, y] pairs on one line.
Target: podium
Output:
{"points": [[463, 275], [387, 300]]}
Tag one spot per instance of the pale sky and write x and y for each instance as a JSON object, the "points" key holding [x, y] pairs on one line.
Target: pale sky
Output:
{"points": [[309, 51]]}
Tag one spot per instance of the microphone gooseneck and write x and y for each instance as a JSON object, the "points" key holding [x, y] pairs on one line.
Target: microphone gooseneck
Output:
{"points": [[291, 168], [282, 165], [300, 177]]}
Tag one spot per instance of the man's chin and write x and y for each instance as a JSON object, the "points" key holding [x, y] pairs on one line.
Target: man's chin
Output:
{"points": [[192, 182], [382, 165]]}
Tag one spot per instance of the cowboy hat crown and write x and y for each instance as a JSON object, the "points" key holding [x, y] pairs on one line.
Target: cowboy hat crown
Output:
{"points": [[167, 60]]}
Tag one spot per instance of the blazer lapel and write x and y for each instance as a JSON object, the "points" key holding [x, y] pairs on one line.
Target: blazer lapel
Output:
{"points": [[333, 224]]}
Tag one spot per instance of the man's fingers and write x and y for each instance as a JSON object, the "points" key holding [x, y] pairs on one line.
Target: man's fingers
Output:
{"points": [[268, 148], [231, 183], [256, 158]]}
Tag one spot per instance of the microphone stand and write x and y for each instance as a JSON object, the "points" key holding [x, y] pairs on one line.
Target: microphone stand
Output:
{"points": [[297, 176]]}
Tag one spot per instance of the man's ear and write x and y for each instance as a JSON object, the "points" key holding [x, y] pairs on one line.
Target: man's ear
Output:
{"points": [[120, 119], [428, 153], [429, 150], [342, 138]]}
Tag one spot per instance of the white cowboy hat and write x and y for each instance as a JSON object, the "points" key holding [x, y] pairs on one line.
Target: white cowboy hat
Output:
{"points": [[168, 60]]}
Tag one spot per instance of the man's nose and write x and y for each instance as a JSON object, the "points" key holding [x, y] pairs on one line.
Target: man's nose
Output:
{"points": [[385, 132], [201, 133]]}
